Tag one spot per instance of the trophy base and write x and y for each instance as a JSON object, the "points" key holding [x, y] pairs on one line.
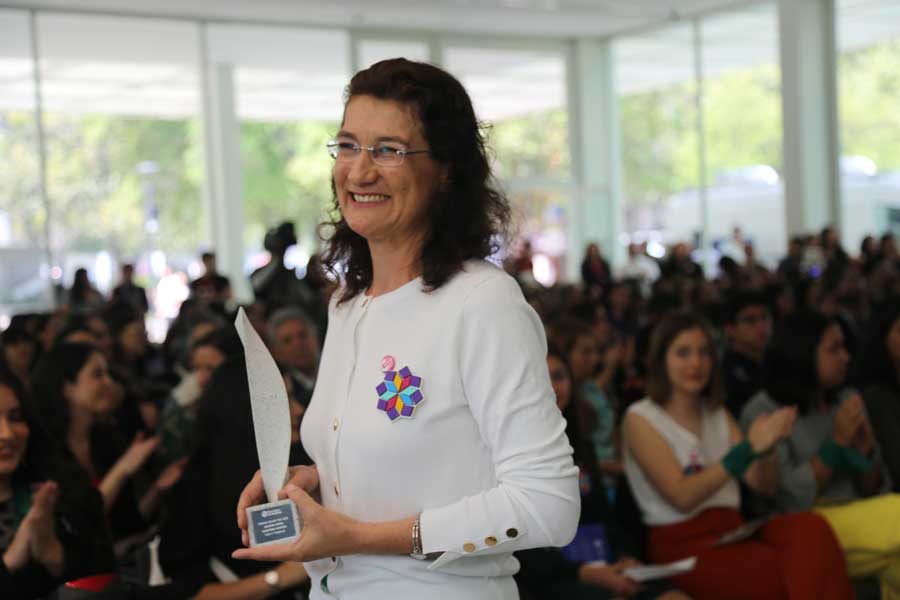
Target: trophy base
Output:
{"points": [[273, 523]]}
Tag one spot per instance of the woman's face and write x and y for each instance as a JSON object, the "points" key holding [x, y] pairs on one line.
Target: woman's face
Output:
{"points": [[204, 361], [385, 203], [560, 380], [133, 339], [13, 432], [200, 330], [601, 329], [104, 340], [892, 343], [832, 358], [583, 357], [93, 390], [19, 355], [689, 362], [51, 328], [296, 410]]}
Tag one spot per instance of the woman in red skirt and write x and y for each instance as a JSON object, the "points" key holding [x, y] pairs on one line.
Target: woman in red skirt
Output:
{"points": [[684, 455]]}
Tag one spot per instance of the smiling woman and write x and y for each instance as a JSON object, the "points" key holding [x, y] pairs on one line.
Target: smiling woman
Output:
{"points": [[39, 552], [417, 390], [425, 157], [684, 456]]}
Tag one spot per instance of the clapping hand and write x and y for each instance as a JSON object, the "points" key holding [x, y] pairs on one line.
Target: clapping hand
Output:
{"points": [[137, 453], [35, 539], [849, 419], [171, 474], [770, 428]]}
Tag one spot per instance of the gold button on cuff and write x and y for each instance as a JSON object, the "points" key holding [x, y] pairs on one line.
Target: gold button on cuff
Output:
{"points": [[334, 424], [490, 540], [512, 532], [469, 547]]}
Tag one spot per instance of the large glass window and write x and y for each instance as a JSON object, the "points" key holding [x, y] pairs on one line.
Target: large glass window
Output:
{"points": [[742, 131], [24, 277], [868, 97], [288, 92], [669, 175], [521, 96], [374, 50], [659, 118], [124, 162]]}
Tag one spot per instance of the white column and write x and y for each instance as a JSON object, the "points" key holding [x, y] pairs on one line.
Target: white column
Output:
{"points": [[809, 101], [224, 186], [595, 213]]}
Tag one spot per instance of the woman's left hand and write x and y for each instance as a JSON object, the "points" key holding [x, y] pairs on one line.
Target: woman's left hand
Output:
{"points": [[171, 474], [864, 441], [45, 546], [325, 533]]}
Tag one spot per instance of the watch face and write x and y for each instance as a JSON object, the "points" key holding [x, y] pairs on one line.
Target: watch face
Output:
{"points": [[271, 578]]}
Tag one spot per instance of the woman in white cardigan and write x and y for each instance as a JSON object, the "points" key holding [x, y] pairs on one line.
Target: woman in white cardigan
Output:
{"points": [[438, 446]]}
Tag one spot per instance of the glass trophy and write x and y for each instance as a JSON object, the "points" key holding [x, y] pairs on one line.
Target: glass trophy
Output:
{"points": [[276, 521]]}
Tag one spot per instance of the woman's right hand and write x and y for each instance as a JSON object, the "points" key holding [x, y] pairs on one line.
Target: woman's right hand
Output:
{"points": [[770, 428], [609, 577], [303, 476], [36, 539], [137, 454]]}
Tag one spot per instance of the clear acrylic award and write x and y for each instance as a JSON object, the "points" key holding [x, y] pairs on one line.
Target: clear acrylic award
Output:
{"points": [[276, 521]]}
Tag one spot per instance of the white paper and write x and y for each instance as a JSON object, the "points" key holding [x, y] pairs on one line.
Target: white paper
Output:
{"points": [[269, 402], [742, 532], [650, 572]]}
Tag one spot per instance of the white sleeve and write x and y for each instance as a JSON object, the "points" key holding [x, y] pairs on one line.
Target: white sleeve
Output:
{"points": [[536, 502]]}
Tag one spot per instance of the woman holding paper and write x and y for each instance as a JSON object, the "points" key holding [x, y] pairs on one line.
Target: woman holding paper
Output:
{"points": [[437, 444], [683, 456], [574, 574]]}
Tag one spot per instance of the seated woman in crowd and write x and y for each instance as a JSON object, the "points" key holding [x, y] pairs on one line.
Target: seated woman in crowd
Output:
{"points": [[880, 380], [180, 411], [131, 352], [17, 353], [51, 520], [73, 392], [683, 456], [549, 572], [576, 340], [830, 460], [200, 523]]}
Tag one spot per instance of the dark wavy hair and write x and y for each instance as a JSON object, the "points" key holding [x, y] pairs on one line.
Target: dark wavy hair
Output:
{"points": [[36, 464], [792, 375], [659, 386], [469, 219], [580, 417], [56, 368], [877, 366]]}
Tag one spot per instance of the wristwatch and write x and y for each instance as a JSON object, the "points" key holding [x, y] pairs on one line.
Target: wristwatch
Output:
{"points": [[273, 580]]}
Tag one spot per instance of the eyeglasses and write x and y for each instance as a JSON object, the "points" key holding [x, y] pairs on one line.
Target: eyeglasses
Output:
{"points": [[384, 155]]}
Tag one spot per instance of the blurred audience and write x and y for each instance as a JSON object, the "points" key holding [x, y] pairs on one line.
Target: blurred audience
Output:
{"points": [[108, 439]]}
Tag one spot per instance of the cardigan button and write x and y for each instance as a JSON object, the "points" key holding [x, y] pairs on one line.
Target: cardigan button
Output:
{"points": [[334, 424], [490, 540], [469, 547], [512, 532]]}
